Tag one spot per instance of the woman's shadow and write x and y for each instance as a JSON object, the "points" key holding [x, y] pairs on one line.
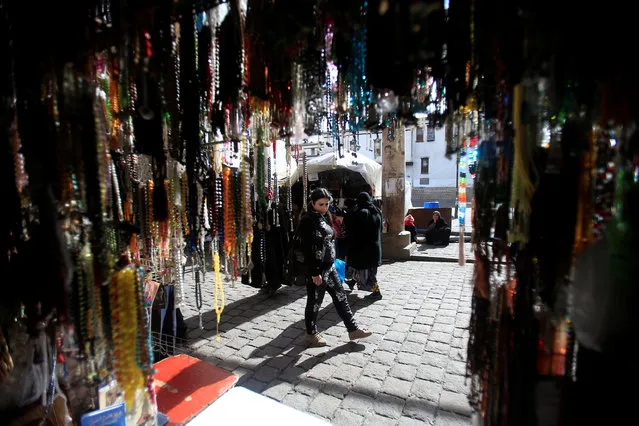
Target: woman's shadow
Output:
{"points": [[284, 345]]}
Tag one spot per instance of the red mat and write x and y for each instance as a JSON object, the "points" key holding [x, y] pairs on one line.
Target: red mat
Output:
{"points": [[186, 385]]}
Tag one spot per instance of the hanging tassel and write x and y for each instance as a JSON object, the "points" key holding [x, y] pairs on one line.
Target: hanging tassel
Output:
{"points": [[160, 200], [481, 274], [523, 187], [218, 291]]}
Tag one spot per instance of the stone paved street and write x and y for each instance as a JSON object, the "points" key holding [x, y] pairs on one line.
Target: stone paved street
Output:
{"points": [[449, 253], [410, 372]]}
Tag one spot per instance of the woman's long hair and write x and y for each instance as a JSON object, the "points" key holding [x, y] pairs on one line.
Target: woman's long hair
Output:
{"points": [[318, 194]]}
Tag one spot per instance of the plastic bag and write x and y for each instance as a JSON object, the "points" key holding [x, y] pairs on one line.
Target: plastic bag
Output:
{"points": [[340, 266]]}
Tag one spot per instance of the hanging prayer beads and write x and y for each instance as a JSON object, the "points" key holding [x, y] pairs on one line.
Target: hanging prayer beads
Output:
{"points": [[604, 185], [247, 226], [218, 291], [219, 193], [304, 181], [216, 194], [269, 181], [229, 216], [186, 230], [124, 317]]}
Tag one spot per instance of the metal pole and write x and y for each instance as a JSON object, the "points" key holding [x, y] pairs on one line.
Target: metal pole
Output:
{"points": [[457, 186]]}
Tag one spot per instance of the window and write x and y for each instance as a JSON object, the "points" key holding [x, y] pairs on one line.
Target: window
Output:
{"points": [[419, 136], [424, 181], [425, 165], [430, 134]]}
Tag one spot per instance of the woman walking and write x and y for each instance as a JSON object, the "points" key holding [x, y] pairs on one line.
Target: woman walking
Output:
{"points": [[318, 245]]}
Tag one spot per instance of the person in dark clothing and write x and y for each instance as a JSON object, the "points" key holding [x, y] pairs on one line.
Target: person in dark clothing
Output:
{"points": [[350, 207], [365, 244], [340, 235], [438, 231], [318, 245]]}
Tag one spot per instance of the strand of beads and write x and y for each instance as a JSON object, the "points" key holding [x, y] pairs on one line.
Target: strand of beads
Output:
{"points": [[165, 227], [269, 180], [213, 208], [204, 223], [116, 188], [237, 210], [276, 189], [218, 291], [229, 216], [82, 303], [259, 179], [124, 314], [176, 247], [219, 207], [184, 200], [150, 221], [304, 181], [145, 344], [100, 113], [247, 227], [93, 314], [604, 188], [198, 287], [289, 195]]}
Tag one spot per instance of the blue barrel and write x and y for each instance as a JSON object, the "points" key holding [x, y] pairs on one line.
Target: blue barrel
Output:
{"points": [[431, 205]]}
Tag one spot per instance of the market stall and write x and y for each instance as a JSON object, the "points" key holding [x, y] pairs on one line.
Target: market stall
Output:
{"points": [[345, 176], [141, 141]]}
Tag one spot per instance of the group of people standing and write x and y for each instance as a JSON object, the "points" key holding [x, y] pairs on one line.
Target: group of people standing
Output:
{"points": [[356, 231]]}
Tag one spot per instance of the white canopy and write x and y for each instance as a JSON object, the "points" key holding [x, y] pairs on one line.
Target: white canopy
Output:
{"points": [[281, 163], [370, 170]]}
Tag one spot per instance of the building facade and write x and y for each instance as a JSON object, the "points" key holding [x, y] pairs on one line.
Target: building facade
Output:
{"points": [[430, 176], [433, 177]]}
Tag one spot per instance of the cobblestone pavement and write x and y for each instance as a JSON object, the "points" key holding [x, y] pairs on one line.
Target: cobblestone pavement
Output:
{"points": [[448, 253], [410, 372]]}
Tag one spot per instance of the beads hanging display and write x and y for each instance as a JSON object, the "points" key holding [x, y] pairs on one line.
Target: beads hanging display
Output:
{"points": [[195, 269], [100, 112], [239, 260], [151, 227], [276, 195], [186, 230], [116, 188], [219, 206], [260, 180], [584, 224], [210, 206], [605, 179], [214, 207], [289, 195], [304, 182], [218, 291], [247, 216], [124, 317], [269, 180], [164, 228], [21, 177], [200, 218], [356, 74], [229, 214], [144, 343], [177, 244]]}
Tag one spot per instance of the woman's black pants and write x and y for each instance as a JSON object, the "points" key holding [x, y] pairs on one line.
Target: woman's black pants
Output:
{"points": [[333, 285]]}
